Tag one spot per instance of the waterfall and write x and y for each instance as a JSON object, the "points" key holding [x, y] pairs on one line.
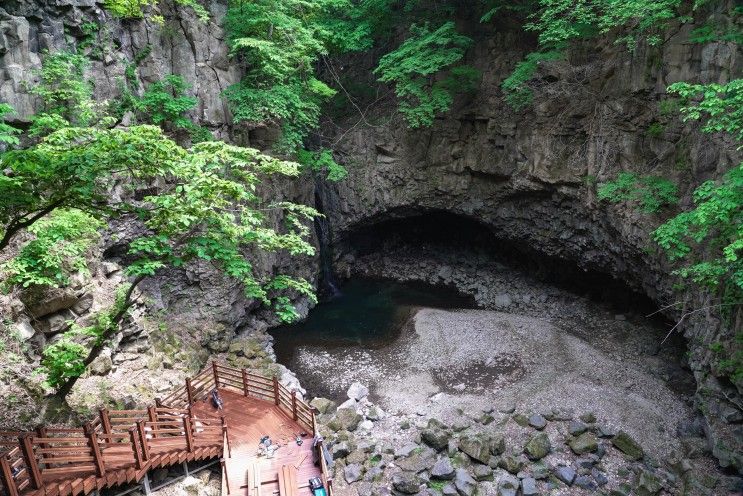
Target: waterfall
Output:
{"points": [[328, 284]]}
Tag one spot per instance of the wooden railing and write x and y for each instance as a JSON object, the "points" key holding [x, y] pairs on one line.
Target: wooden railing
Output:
{"points": [[255, 386], [247, 383], [121, 439]]}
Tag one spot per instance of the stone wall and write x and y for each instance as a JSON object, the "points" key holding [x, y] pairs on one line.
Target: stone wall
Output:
{"points": [[531, 177]]}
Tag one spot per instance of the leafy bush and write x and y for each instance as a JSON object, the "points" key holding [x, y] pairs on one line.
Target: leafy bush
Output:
{"points": [[322, 160], [652, 192], [296, 105], [720, 104], [66, 95], [516, 90], [134, 9], [165, 101], [61, 242], [8, 133], [413, 64]]}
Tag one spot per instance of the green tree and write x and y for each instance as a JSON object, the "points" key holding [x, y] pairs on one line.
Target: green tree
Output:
{"points": [[8, 133], [77, 168], [413, 65], [709, 237]]}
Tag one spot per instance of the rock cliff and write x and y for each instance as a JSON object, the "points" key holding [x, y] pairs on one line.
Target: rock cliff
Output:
{"points": [[528, 177]]}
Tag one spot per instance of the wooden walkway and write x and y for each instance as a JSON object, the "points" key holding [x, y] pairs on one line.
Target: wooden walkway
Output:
{"points": [[250, 420], [120, 447]]}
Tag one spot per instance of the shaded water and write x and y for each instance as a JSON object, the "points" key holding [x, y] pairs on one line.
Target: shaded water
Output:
{"points": [[367, 313]]}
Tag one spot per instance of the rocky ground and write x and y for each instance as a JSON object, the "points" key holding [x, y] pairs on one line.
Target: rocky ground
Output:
{"points": [[537, 355], [505, 452]]}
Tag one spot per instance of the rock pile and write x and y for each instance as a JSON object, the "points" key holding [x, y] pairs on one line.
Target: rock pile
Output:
{"points": [[504, 453]]}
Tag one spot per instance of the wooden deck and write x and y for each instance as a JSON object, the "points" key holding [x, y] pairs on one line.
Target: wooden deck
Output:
{"points": [[249, 420], [120, 447]]}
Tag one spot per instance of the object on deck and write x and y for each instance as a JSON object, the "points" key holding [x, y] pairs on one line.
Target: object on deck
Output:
{"points": [[325, 453], [266, 447], [317, 487], [217, 400], [298, 440]]}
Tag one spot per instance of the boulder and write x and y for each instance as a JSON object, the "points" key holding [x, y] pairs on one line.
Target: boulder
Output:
{"points": [[406, 482], [565, 474], [345, 419], [511, 464], [482, 472], [497, 444], [627, 445], [529, 486], [405, 450], [648, 484], [466, 485], [24, 329], [323, 405], [476, 447], [442, 469], [352, 473], [538, 421], [43, 301], [576, 428], [508, 485], [357, 391], [102, 365], [340, 450], [585, 443], [538, 446], [435, 438]]}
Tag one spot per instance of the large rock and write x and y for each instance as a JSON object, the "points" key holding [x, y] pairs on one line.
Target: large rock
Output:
{"points": [[585, 443], [476, 447], [406, 482], [345, 419], [43, 301], [627, 445], [353, 472], [466, 484], [323, 405], [436, 438], [538, 446], [442, 469], [357, 391], [565, 474], [508, 485]]}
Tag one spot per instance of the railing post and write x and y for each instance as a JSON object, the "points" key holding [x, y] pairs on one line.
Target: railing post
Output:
{"points": [[7, 477], [224, 474], [152, 414], [105, 420], [187, 428], [135, 448], [216, 375], [314, 424], [246, 387], [31, 463], [226, 437], [189, 393], [294, 405], [276, 390], [100, 469], [143, 440]]}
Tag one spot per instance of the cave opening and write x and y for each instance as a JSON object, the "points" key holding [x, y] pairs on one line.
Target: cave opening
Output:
{"points": [[431, 231]]}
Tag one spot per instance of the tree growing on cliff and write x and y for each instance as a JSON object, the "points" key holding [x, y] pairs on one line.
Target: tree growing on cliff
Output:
{"points": [[204, 208]]}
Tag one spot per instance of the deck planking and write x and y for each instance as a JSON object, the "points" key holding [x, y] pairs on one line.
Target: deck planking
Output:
{"points": [[249, 419]]}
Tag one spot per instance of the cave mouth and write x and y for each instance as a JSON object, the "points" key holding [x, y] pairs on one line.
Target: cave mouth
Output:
{"points": [[432, 231]]}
